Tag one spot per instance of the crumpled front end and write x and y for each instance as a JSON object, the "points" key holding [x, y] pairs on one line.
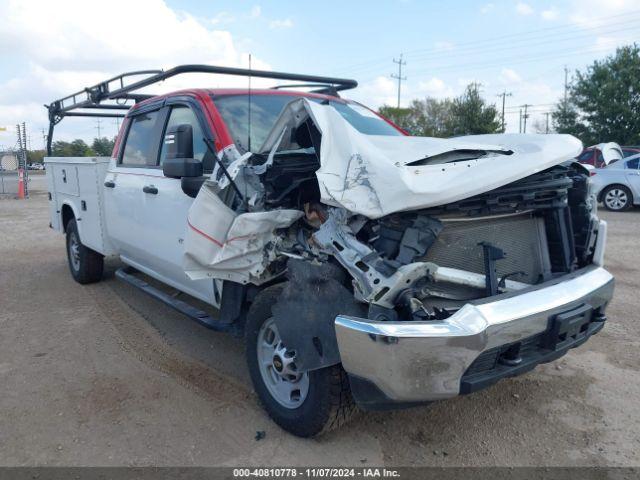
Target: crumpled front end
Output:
{"points": [[427, 267]]}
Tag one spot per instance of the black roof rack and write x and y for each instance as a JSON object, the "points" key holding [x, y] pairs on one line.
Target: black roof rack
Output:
{"points": [[89, 101]]}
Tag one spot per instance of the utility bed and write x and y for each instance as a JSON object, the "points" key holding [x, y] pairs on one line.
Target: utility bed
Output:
{"points": [[75, 188]]}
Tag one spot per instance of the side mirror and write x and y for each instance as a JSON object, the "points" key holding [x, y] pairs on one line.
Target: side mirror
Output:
{"points": [[179, 161]]}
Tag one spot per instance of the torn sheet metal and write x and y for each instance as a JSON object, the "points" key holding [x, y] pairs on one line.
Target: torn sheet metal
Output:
{"points": [[370, 174], [221, 244]]}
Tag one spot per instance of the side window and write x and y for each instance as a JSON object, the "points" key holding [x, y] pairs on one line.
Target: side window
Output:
{"points": [[180, 115], [585, 156], [140, 148], [599, 159], [633, 164]]}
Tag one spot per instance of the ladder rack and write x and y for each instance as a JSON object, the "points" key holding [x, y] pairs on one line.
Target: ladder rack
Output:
{"points": [[89, 102]]}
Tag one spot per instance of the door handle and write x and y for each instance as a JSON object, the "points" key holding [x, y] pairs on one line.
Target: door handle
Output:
{"points": [[109, 184], [150, 189]]}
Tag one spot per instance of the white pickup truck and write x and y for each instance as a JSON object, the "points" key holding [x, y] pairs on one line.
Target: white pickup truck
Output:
{"points": [[363, 266]]}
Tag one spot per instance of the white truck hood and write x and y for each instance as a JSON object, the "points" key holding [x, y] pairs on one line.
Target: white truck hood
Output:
{"points": [[376, 175]]}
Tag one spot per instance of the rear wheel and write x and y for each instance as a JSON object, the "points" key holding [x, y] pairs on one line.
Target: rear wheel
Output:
{"points": [[86, 265], [617, 198], [303, 403]]}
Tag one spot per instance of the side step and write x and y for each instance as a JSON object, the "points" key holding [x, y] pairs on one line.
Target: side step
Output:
{"points": [[203, 318]]}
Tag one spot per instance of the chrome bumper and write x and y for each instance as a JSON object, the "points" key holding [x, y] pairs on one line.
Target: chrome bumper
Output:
{"points": [[422, 361]]}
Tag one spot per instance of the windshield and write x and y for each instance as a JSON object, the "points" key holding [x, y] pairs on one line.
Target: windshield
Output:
{"points": [[265, 110]]}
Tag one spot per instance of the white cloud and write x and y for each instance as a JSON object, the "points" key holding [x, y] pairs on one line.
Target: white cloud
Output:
{"points": [[524, 9], [487, 8], [435, 87], [284, 23], [377, 92], [256, 11], [223, 18], [598, 17], [444, 46], [550, 14], [509, 76], [76, 51]]}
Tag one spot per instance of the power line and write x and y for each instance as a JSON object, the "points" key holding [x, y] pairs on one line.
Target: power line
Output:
{"points": [[484, 45], [399, 76]]}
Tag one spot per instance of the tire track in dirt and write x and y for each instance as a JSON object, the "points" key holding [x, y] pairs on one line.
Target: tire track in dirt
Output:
{"points": [[138, 338]]}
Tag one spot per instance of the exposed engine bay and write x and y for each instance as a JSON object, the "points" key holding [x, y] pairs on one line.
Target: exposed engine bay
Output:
{"points": [[401, 228]]}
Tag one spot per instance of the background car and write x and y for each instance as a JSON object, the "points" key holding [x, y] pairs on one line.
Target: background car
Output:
{"points": [[630, 150], [617, 186], [602, 154]]}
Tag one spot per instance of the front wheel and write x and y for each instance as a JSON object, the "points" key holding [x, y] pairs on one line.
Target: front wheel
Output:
{"points": [[85, 264], [617, 198], [303, 403]]}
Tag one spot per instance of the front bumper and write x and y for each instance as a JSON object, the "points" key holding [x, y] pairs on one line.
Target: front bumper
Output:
{"points": [[395, 363]]}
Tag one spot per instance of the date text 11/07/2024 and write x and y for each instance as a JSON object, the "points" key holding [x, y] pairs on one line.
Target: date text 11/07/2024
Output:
{"points": [[292, 472]]}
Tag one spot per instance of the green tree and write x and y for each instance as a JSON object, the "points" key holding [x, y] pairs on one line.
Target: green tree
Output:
{"points": [[36, 156], [76, 148], [467, 114], [428, 117], [400, 116], [470, 114], [603, 104], [434, 117], [103, 146]]}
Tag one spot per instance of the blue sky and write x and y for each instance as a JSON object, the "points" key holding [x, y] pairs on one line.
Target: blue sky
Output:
{"points": [[49, 49]]}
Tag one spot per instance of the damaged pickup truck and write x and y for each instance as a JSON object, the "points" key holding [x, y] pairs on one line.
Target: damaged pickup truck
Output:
{"points": [[363, 266]]}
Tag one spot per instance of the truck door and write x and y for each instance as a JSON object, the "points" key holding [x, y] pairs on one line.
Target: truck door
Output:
{"points": [[166, 211], [155, 206], [135, 166]]}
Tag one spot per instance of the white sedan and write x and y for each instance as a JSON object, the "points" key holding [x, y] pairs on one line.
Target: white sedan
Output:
{"points": [[617, 185]]}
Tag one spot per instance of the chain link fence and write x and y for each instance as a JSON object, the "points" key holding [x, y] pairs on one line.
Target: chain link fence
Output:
{"points": [[9, 172]]}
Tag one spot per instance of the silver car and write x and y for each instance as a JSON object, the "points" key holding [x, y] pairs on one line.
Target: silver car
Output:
{"points": [[617, 185]]}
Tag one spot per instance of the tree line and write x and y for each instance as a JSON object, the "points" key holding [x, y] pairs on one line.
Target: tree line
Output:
{"points": [[603, 102], [467, 114], [100, 147]]}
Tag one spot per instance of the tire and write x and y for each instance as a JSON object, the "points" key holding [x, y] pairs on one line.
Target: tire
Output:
{"points": [[86, 265], [617, 198], [327, 403]]}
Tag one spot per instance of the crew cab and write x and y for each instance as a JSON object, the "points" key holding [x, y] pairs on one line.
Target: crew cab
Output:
{"points": [[362, 266]]}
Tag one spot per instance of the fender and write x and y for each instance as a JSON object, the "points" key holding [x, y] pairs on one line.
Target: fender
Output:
{"points": [[76, 216], [307, 308]]}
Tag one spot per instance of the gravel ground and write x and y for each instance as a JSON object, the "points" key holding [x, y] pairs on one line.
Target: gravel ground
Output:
{"points": [[104, 375]]}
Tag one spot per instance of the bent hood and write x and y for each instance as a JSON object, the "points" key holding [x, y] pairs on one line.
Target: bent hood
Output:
{"points": [[374, 175]]}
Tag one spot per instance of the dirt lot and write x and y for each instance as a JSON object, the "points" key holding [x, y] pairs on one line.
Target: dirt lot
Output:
{"points": [[104, 375]]}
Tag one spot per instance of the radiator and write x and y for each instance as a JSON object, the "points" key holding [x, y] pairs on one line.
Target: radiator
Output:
{"points": [[521, 236]]}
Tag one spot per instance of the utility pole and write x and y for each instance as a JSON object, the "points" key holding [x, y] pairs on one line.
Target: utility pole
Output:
{"points": [[524, 118], [399, 76], [520, 120], [546, 114], [44, 140], [504, 95], [98, 122], [566, 84]]}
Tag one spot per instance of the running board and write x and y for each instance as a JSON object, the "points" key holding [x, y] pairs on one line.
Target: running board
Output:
{"points": [[200, 316]]}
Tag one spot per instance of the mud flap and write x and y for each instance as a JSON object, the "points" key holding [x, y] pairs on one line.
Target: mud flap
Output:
{"points": [[306, 312]]}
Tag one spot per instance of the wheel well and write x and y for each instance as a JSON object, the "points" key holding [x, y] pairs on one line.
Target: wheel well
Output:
{"points": [[67, 216], [601, 194]]}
